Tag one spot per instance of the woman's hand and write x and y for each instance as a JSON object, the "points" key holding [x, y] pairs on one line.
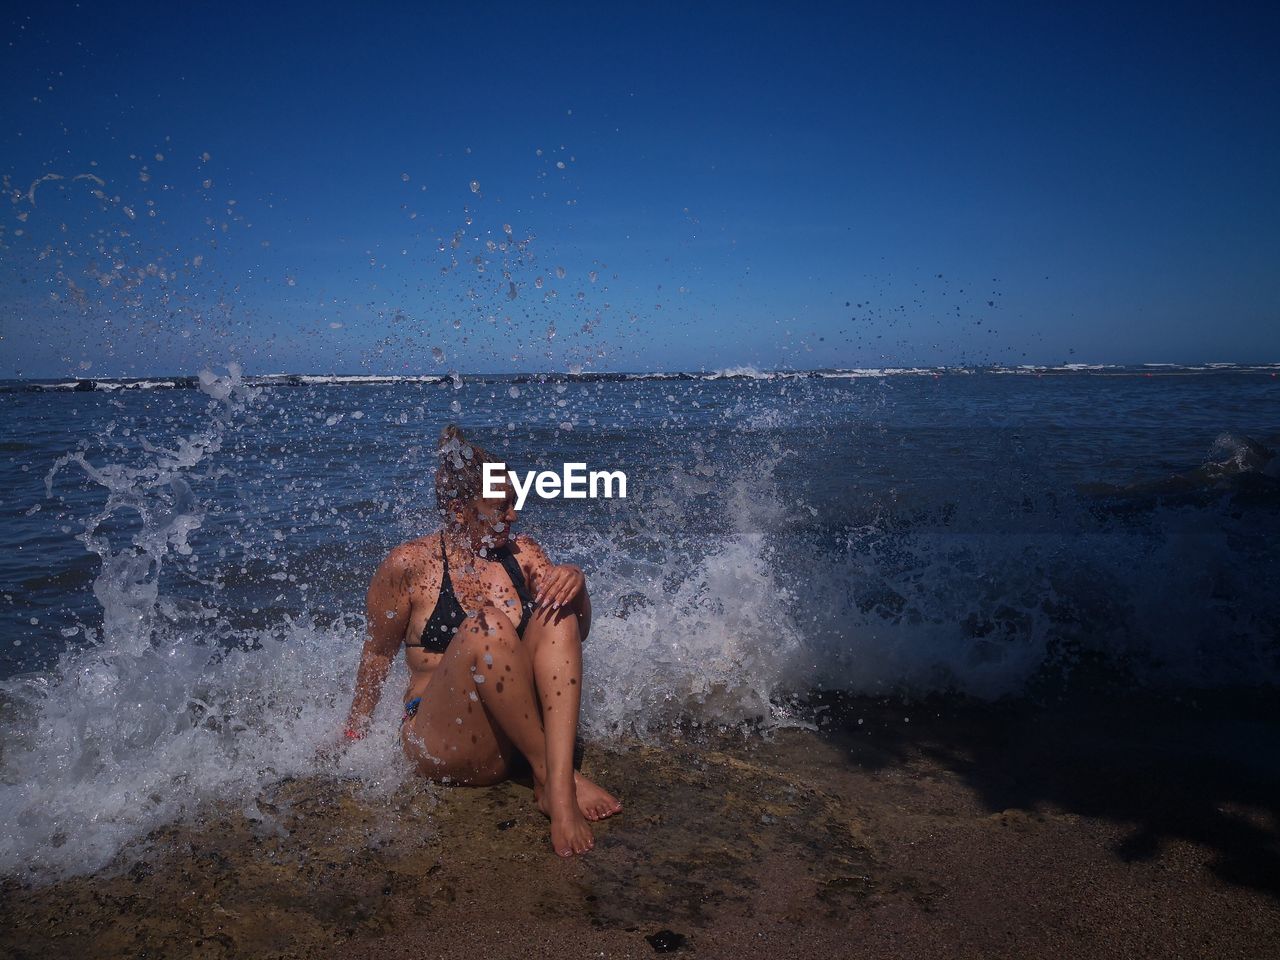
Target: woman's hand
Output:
{"points": [[335, 745], [560, 586], [331, 749]]}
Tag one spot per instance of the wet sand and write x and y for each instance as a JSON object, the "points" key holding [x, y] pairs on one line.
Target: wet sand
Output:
{"points": [[1088, 828]]}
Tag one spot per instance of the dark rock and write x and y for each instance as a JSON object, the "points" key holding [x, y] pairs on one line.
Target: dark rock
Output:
{"points": [[666, 941]]}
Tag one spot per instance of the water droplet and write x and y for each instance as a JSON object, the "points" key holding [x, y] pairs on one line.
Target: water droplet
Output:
{"points": [[475, 186]]}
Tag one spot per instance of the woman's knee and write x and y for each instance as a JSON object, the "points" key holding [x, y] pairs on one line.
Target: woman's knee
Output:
{"points": [[488, 630]]}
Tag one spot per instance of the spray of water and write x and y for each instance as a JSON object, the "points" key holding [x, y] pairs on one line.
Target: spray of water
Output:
{"points": [[721, 588], [150, 720], [702, 632], [172, 705]]}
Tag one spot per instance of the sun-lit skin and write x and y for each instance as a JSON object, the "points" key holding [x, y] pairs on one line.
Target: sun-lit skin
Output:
{"points": [[491, 692]]}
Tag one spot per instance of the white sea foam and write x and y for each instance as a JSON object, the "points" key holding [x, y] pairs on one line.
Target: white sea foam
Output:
{"points": [[879, 372], [729, 373], [310, 378], [748, 373], [141, 726], [712, 639]]}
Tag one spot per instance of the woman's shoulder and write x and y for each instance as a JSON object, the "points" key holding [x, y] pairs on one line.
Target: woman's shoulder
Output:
{"points": [[412, 554], [529, 553], [426, 541], [523, 543]]}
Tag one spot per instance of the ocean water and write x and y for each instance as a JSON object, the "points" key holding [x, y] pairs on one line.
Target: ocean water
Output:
{"points": [[184, 560]]}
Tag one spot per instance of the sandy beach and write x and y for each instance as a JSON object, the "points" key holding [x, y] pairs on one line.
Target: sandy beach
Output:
{"points": [[945, 828]]}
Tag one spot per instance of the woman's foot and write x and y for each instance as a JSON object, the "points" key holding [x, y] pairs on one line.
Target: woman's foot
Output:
{"points": [[594, 801], [570, 833]]}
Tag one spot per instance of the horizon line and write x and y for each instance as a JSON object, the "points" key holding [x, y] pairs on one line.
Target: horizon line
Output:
{"points": [[735, 371]]}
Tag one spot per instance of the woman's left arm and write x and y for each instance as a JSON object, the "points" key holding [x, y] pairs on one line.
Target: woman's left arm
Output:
{"points": [[558, 585]]}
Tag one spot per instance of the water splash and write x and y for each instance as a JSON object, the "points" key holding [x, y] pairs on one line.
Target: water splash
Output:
{"points": [[697, 627], [151, 719], [763, 552]]}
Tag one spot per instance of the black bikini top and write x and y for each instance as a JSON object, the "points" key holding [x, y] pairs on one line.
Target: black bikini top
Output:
{"points": [[448, 615]]}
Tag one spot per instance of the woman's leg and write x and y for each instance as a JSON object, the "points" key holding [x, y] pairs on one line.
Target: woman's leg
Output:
{"points": [[455, 735], [480, 701], [554, 642]]}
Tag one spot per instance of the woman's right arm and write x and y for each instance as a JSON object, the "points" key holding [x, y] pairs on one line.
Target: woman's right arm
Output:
{"points": [[387, 609]]}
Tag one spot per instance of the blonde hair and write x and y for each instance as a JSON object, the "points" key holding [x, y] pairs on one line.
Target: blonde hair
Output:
{"points": [[460, 474]]}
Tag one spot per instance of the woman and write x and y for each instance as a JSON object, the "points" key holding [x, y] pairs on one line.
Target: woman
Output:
{"points": [[492, 632]]}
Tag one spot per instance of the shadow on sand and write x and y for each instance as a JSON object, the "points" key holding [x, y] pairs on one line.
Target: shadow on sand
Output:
{"points": [[1198, 767]]}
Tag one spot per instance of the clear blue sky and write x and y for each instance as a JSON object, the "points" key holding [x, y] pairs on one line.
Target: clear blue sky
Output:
{"points": [[799, 186]]}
